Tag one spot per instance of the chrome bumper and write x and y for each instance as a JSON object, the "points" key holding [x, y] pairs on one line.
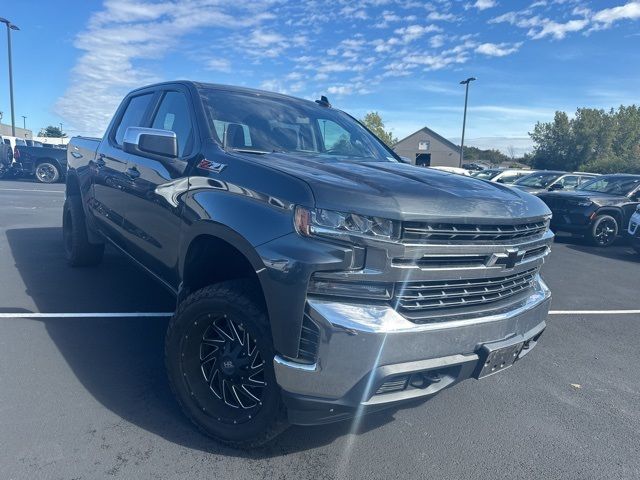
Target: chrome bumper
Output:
{"points": [[360, 345]]}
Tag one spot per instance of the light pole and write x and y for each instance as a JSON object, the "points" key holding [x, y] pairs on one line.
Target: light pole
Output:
{"points": [[10, 26], [464, 118], [24, 122], [61, 142]]}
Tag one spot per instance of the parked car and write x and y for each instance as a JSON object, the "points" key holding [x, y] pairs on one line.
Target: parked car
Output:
{"points": [[599, 209], [456, 170], [634, 229], [46, 164], [501, 175], [6, 157], [547, 180], [317, 277], [474, 167]]}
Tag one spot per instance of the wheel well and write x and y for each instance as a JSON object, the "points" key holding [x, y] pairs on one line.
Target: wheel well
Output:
{"points": [[49, 160], [613, 213], [73, 185], [212, 260]]}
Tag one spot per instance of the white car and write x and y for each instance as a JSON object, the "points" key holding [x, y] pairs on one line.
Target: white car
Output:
{"points": [[459, 171], [634, 229], [502, 175]]}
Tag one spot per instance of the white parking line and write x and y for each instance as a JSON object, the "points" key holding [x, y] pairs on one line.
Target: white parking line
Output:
{"points": [[593, 312], [30, 190], [168, 314], [87, 315]]}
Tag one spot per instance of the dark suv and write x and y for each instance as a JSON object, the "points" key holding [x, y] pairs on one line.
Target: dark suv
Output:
{"points": [[599, 210]]}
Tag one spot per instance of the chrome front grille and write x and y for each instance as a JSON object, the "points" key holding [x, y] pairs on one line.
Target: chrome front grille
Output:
{"points": [[424, 232], [430, 296]]}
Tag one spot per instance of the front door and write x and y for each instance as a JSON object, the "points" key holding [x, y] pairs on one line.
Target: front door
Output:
{"points": [[109, 171], [152, 221]]}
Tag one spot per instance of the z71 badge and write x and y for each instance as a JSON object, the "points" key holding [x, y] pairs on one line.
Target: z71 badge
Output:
{"points": [[211, 166]]}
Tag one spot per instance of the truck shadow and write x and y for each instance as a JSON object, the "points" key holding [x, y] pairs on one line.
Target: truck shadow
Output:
{"points": [[120, 360], [620, 250]]}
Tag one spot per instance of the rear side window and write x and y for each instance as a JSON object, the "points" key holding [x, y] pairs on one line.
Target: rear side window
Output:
{"points": [[132, 116], [173, 114]]}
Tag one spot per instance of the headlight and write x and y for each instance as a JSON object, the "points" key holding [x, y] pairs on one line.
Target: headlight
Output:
{"points": [[329, 223]]}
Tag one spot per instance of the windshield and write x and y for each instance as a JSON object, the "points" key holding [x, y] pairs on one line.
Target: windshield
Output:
{"points": [[253, 123], [538, 180], [612, 185], [486, 174]]}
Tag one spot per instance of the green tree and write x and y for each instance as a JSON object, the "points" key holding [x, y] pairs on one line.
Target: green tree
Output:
{"points": [[493, 156], [373, 121], [594, 140], [53, 132]]}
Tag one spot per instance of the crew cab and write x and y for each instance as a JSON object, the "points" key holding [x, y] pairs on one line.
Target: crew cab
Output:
{"points": [[316, 276], [46, 164], [599, 210]]}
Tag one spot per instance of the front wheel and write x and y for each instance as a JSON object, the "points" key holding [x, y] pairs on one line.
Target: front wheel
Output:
{"points": [[219, 359], [604, 231], [47, 172]]}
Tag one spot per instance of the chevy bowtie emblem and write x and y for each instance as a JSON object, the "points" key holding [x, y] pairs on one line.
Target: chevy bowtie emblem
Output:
{"points": [[509, 259]]}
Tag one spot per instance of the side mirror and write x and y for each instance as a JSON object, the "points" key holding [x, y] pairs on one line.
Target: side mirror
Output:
{"points": [[151, 142], [556, 186]]}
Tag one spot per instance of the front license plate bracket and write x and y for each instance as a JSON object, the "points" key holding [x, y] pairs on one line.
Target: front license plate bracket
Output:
{"points": [[497, 357]]}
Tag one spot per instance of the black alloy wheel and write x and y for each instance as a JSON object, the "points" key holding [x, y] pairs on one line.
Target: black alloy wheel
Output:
{"points": [[219, 360], [604, 231]]}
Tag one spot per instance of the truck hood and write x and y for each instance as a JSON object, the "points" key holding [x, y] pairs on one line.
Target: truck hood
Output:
{"points": [[531, 190], [404, 192]]}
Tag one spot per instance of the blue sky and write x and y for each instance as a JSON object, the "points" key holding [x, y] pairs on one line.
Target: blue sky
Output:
{"points": [[74, 60]]}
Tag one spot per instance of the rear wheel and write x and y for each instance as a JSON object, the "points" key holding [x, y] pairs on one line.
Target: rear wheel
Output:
{"points": [[604, 231], [78, 251], [47, 172], [219, 360]]}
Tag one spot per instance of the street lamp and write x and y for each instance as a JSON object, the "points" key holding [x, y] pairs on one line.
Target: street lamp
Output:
{"points": [[24, 122], [10, 26], [464, 118]]}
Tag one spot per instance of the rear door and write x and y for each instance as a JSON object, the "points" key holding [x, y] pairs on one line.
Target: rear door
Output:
{"points": [[152, 221], [109, 201]]}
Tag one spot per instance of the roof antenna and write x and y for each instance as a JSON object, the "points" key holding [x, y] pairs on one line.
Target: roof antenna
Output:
{"points": [[324, 101]]}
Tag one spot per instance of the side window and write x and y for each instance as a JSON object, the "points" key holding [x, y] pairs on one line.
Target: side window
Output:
{"points": [[132, 115], [174, 115], [570, 181], [333, 135], [585, 179]]}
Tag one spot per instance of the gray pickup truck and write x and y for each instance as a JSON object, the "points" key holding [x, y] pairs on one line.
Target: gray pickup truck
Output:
{"points": [[316, 276]]}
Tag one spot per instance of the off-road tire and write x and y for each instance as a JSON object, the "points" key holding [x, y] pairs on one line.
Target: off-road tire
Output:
{"points": [[78, 251], [234, 302]]}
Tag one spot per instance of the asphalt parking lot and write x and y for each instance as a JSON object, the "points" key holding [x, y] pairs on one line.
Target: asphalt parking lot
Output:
{"points": [[86, 397]]}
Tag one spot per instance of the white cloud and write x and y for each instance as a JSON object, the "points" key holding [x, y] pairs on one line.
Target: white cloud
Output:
{"points": [[481, 4], [498, 49], [558, 30], [447, 17], [126, 35], [608, 16], [218, 64]]}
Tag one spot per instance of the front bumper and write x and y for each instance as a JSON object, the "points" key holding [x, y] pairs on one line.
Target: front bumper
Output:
{"points": [[365, 350], [633, 230]]}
